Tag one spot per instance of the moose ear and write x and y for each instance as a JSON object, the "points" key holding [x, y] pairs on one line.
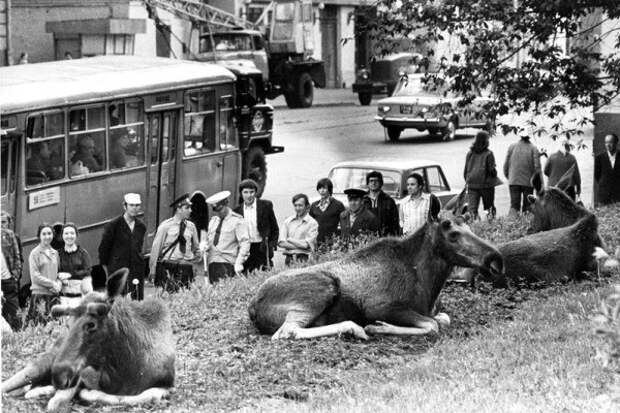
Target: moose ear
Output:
{"points": [[116, 282], [537, 182], [60, 310]]}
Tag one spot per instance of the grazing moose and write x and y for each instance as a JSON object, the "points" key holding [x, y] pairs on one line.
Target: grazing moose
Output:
{"points": [[550, 255], [390, 286], [116, 351]]}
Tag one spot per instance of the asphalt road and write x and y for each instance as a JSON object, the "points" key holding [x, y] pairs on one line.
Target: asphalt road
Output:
{"points": [[317, 138]]}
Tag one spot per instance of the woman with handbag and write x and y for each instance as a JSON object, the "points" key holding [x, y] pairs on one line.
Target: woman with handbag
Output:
{"points": [[481, 176], [46, 285], [74, 267]]}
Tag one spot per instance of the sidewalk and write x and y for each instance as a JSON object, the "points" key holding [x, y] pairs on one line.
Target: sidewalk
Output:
{"points": [[324, 97]]}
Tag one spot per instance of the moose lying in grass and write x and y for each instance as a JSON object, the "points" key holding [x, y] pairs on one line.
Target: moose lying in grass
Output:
{"points": [[390, 287], [549, 256], [551, 208], [116, 351]]}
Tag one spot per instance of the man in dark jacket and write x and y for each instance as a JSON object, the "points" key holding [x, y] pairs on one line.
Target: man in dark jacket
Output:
{"points": [[561, 164], [262, 226], [607, 172], [381, 204], [357, 219], [121, 245]]}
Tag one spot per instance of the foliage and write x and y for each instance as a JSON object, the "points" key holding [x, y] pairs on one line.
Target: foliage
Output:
{"points": [[512, 51]]}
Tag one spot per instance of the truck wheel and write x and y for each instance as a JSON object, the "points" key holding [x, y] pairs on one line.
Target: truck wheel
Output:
{"points": [[255, 167], [305, 90], [365, 98], [291, 100], [393, 133]]}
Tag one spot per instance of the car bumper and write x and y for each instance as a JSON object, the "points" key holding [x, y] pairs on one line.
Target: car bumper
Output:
{"points": [[417, 123], [375, 88]]}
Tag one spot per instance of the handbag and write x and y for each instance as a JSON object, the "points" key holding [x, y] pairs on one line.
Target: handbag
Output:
{"points": [[173, 275]]}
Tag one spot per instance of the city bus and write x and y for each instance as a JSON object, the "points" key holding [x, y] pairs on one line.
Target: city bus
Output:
{"points": [[78, 134]]}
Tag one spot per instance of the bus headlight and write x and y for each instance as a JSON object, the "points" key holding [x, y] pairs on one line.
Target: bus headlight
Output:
{"points": [[258, 121]]}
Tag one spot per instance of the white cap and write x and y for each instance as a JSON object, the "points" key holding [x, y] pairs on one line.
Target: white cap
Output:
{"points": [[132, 198], [220, 196]]}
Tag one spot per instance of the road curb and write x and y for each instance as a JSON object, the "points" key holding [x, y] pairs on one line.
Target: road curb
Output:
{"points": [[320, 105]]}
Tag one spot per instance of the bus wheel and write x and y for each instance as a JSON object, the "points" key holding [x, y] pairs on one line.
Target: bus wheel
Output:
{"points": [[255, 167], [305, 90]]}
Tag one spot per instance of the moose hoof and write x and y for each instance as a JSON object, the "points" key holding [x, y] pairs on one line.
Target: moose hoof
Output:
{"points": [[41, 391], [349, 327], [379, 327], [442, 319], [285, 331]]}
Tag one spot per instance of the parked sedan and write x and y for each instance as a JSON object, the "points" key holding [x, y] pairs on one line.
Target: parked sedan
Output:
{"points": [[419, 105], [352, 174]]}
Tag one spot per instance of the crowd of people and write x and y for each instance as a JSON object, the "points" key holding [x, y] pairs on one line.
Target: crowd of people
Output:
{"points": [[243, 239]]}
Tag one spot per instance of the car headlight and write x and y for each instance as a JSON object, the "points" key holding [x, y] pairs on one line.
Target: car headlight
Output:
{"points": [[384, 109], [258, 121], [365, 75]]}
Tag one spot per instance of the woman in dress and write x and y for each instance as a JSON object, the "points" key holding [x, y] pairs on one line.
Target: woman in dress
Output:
{"points": [[46, 285], [326, 211], [74, 266]]}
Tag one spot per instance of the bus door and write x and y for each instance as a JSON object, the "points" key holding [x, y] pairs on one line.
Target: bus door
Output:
{"points": [[8, 165], [162, 134], [229, 144]]}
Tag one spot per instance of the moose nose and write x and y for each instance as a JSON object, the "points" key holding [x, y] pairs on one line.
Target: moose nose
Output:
{"points": [[62, 376], [495, 263]]}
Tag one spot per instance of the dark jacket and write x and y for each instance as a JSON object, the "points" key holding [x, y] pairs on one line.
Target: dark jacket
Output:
{"points": [[366, 221], [607, 178], [328, 220], [480, 170], [560, 163], [266, 222], [386, 212], [121, 247]]}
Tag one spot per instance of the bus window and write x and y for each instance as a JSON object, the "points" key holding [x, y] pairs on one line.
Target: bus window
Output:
{"points": [[228, 137], [116, 112], [126, 135], [87, 140], [45, 153], [200, 135]]}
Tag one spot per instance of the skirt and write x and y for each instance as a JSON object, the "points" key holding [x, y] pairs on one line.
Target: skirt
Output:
{"points": [[39, 311]]}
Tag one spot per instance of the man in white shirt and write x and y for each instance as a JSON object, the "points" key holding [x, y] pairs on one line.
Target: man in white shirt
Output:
{"points": [[419, 207], [299, 232], [262, 226]]}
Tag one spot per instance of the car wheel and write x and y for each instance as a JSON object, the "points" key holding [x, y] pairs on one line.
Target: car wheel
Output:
{"points": [[365, 98], [393, 133], [449, 132]]}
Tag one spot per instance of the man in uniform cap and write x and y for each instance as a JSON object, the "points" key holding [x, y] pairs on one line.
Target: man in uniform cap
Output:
{"points": [[121, 246], [228, 239], [357, 219], [176, 244]]}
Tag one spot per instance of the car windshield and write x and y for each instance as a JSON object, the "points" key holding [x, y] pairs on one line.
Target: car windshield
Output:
{"points": [[415, 85], [226, 42], [347, 177]]}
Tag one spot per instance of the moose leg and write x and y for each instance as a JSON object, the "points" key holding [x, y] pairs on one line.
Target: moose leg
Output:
{"points": [[409, 322], [37, 372], [293, 327], [151, 395]]}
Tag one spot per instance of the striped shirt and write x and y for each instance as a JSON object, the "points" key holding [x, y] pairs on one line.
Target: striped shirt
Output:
{"points": [[413, 213]]}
